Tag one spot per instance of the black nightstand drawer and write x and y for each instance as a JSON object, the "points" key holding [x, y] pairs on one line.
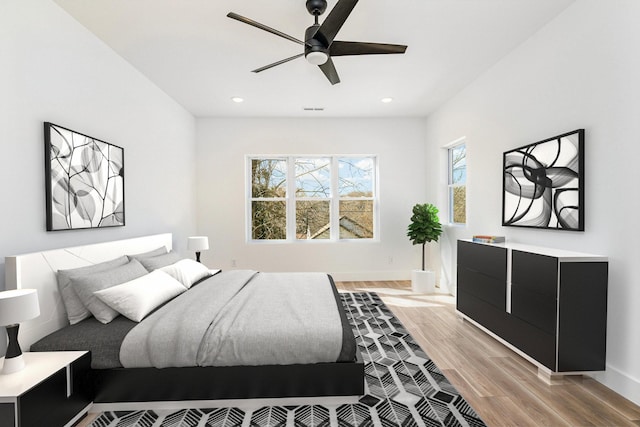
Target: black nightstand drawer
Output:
{"points": [[49, 398], [42, 405], [7, 414]]}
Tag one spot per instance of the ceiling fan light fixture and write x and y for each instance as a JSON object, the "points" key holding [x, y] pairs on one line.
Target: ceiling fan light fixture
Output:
{"points": [[317, 57]]}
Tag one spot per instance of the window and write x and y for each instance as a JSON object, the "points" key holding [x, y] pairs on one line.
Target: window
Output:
{"points": [[323, 198], [457, 187], [313, 198], [268, 198]]}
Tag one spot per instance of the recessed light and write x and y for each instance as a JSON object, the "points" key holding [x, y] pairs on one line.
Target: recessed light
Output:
{"points": [[386, 100], [237, 99]]}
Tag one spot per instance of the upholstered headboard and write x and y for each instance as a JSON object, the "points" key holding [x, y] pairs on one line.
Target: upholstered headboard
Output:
{"points": [[38, 271]]}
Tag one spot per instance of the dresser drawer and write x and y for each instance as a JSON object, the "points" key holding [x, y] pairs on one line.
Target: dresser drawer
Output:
{"points": [[535, 273], [486, 288], [536, 309], [488, 260]]}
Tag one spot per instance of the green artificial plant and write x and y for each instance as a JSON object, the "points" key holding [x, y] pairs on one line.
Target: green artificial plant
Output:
{"points": [[425, 226]]}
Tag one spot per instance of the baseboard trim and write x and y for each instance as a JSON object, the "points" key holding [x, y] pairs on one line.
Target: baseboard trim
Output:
{"points": [[623, 384], [359, 276]]}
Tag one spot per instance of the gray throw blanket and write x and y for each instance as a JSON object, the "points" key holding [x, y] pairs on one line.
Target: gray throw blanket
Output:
{"points": [[241, 317]]}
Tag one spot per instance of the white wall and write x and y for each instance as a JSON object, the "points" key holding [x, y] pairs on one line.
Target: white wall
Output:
{"points": [[580, 71], [53, 69], [222, 146]]}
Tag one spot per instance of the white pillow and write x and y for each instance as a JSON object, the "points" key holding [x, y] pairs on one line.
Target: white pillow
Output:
{"points": [[139, 297], [187, 271]]}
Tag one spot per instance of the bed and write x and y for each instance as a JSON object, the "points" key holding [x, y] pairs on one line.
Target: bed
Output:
{"points": [[197, 376]]}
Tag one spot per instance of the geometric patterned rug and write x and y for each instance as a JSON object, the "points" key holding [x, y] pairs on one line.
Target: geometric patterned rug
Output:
{"points": [[403, 387]]}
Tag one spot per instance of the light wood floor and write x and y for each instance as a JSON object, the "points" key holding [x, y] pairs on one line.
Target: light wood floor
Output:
{"points": [[501, 386]]}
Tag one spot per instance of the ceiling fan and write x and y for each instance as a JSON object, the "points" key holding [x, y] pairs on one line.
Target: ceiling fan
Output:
{"points": [[319, 44]]}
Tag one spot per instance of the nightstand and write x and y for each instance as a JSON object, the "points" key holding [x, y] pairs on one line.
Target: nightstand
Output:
{"points": [[54, 389]]}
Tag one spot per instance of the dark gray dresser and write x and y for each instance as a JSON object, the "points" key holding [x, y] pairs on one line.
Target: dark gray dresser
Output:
{"points": [[548, 305]]}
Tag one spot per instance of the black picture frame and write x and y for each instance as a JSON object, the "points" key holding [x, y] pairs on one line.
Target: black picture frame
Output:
{"points": [[543, 184], [84, 181]]}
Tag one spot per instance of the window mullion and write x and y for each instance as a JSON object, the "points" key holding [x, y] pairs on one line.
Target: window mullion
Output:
{"points": [[334, 199], [291, 198], [248, 199]]}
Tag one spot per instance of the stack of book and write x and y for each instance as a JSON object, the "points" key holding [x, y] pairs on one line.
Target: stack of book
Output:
{"points": [[488, 239]]}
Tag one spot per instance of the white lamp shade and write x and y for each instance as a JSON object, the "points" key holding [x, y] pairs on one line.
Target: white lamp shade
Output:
{"points": [[198, 243], [18, 305]]}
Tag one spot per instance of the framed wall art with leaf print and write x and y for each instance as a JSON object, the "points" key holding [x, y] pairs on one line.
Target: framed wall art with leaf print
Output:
{"points": [[84, 180]]}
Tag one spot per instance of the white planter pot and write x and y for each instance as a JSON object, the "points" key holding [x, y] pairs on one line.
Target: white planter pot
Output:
{"points": [[423, 282]]}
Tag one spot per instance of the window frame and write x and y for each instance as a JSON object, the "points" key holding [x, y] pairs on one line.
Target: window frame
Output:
{"points": [[291, 198], [451, 186]]}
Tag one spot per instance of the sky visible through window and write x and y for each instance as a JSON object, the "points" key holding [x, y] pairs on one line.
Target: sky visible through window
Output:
{"points": [[313, 176], [355, 175], [459, 164]]}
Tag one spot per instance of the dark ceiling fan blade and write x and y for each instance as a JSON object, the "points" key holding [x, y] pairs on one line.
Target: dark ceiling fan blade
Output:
{"points": [[339, 48], [335, 20], [263, 27], [266, 67], [329, 70]]}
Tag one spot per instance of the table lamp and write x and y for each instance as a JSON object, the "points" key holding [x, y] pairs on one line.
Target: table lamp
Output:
{"points": [[16, 306], [198, 243]]}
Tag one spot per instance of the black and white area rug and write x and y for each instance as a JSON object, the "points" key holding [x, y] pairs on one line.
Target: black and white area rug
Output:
{"points": [[404, 388]]}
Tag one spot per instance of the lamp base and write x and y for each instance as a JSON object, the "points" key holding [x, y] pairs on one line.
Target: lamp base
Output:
{"points": [[13, 364], [13, 361]]}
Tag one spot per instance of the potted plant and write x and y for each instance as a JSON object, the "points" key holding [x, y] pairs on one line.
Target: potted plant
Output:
{"points": [[425, 227]]}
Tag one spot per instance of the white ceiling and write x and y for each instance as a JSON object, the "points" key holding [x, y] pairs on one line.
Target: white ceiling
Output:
{"points": [[201, 58]]}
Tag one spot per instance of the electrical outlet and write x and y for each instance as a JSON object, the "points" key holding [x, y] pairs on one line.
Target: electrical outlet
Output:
{"points": [[233, 263], [390, 260]]}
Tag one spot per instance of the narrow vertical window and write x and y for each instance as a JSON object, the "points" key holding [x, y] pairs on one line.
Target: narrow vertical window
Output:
{"points": [[458, 184], [313, 198], [268, 199], [356, 186]]}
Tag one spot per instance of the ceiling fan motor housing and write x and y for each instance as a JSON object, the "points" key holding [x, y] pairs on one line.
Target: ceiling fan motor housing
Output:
{"points": [[315, 46], [316, 7]]}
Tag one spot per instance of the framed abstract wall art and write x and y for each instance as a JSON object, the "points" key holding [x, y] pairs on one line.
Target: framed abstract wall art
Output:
{"points": [[84, 179], [543, 184]]}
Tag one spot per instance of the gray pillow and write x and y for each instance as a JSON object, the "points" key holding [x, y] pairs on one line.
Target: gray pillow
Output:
{"points": [[160, 251], [85, 286], [76, 311], [160, 261]]}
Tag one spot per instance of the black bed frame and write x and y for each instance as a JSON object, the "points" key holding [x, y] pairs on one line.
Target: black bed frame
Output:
{"points": [[228, 382], [232, 382]]}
